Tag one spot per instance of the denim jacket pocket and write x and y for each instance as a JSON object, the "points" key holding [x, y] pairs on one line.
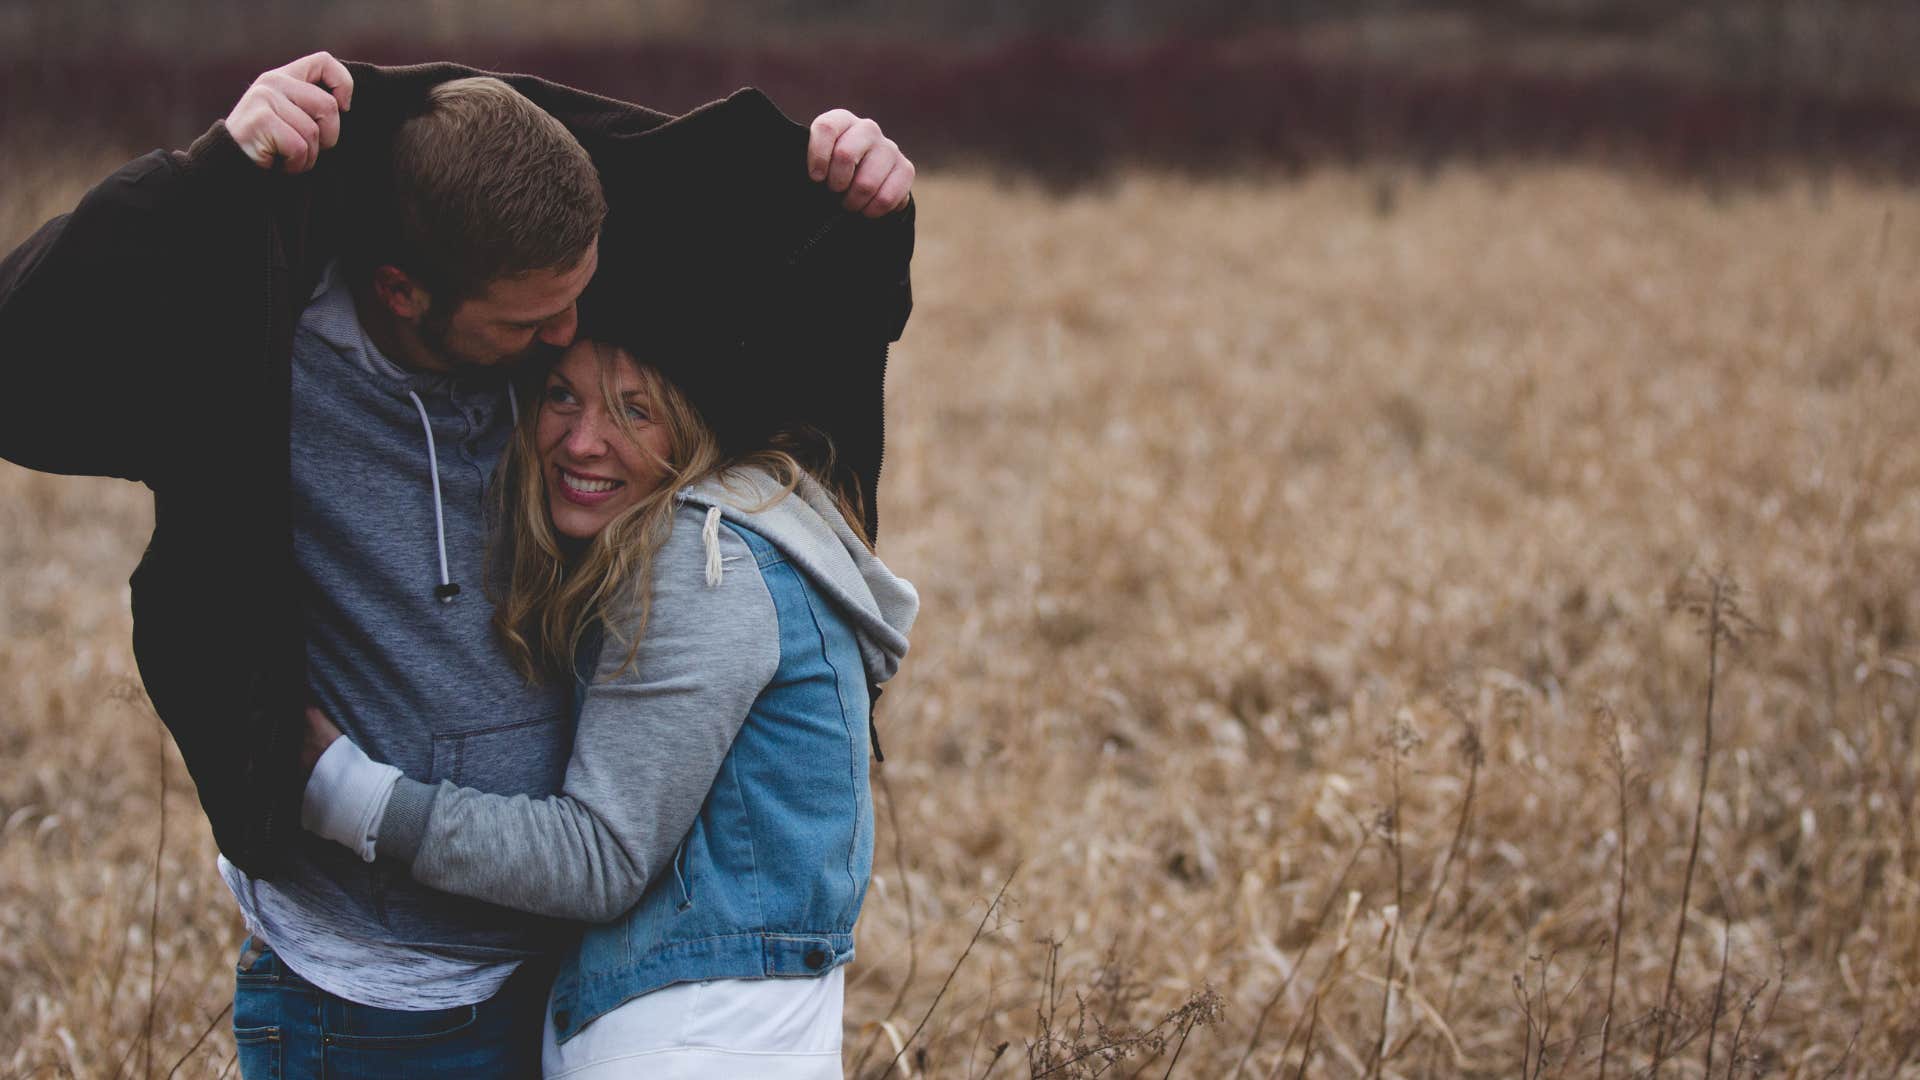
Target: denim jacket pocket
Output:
{"points": [[683, 873]]}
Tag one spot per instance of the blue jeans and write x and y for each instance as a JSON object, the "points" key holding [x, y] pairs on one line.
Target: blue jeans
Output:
{"points": [[286, 1027]]}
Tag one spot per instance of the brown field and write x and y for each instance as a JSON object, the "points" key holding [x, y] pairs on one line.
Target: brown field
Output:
{"points": [[1307, 570]]}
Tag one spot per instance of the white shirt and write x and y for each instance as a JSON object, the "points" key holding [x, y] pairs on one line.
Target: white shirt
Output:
{"points": [[769, 1029]]}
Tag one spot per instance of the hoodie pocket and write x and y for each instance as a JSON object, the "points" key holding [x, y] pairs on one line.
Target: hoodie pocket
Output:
{"points": [[525, 757]]}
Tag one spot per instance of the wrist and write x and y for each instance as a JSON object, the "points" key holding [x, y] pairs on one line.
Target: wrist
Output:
{"points": [[346, 797], [216, 151]]}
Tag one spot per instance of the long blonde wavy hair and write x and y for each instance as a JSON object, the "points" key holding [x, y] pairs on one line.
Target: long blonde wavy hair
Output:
{"points": [[550, 592]]}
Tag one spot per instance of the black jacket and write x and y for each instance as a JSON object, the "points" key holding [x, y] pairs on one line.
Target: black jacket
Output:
{"points": [[148, 333]]}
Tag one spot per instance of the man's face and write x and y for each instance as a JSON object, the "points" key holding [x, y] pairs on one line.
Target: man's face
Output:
{"points": [[512, 319]]}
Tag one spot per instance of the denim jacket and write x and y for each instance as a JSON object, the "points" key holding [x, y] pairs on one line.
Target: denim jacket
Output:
{"points": [[769, 881]]}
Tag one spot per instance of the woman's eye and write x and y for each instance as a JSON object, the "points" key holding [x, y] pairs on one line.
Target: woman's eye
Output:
{"points": [[559, 395], [637, 414]]}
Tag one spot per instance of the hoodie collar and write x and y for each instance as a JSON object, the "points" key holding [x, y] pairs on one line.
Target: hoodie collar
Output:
{"points": [[332, 316], [807, 528]]}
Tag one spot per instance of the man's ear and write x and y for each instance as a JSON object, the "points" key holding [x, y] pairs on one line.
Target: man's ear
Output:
{"points": [[400, 294]]}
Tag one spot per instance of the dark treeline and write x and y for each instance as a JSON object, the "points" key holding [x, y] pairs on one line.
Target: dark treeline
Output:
{"points": [[1069, 111]]}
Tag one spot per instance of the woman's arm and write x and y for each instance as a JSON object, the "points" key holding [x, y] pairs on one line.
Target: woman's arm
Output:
{"points": [[646, 750]]}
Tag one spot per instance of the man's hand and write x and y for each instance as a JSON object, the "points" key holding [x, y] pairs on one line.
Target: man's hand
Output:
{"points": [[292, 113], [851, 155], [320, 734]]}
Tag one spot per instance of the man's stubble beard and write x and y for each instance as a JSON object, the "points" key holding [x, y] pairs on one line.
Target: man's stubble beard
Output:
{"points": [[435, 327]]}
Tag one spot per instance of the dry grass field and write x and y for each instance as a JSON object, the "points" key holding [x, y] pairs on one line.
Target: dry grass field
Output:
{"points": [[1316, 578]]}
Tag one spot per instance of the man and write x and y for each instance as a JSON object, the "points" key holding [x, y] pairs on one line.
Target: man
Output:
{"points": [[279, 331]]}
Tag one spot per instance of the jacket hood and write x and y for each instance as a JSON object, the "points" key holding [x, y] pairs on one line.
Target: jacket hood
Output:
{"points": [[807, 528], [729, 175], [721, 261]]}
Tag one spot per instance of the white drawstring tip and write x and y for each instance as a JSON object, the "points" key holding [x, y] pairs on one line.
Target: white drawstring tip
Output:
{"points": [[710, 536]]}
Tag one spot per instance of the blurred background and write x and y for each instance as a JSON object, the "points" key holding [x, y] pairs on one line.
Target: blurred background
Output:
{"points": [[1072, 86], [1417, 509]]}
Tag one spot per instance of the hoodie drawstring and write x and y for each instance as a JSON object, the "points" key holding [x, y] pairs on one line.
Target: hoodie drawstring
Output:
{"points": [[710, 537], [446, 590]]}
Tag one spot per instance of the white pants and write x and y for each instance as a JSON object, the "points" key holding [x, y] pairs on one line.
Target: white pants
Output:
{"points": [[764, 1029]]}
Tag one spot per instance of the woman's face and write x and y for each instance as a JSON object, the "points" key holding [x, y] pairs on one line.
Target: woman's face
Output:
{"points": [[594, 467]]}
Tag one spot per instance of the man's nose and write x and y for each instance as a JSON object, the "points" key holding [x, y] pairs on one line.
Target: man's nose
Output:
{"points": [[559, 330]]}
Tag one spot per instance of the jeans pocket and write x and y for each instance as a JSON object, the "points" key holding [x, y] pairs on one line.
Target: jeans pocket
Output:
{"points": [[256, 964], [256, 1012], [374, 1029], [258, 1049]]}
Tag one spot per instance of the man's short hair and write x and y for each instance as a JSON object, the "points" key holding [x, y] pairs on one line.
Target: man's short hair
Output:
{"points": [[487, 185]]}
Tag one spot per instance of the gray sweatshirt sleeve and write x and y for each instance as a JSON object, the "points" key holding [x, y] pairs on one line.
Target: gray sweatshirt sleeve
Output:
{"points": [[649, 742]]}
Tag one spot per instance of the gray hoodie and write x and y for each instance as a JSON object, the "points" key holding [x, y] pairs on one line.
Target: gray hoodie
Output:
{"points": [[389, 473], [650, 738]]}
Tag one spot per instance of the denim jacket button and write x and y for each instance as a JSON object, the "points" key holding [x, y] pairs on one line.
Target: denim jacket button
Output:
{"points": [[817, 958], [561, 1017]]}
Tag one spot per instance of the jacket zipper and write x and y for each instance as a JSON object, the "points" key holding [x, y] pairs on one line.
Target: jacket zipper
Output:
{"points": [[880, 457], [879, 462], [873, 699], [818, 235], [263, 771]]}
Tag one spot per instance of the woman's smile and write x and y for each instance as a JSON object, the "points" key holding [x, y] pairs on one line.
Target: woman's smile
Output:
{"points": [[584, 489]]}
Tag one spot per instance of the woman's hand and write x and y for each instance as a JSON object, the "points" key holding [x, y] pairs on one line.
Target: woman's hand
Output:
{"points": [[320, 734]]}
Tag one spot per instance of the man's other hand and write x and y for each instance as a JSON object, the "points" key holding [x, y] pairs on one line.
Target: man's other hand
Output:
{"points": [[852, 155], [292, 113]]}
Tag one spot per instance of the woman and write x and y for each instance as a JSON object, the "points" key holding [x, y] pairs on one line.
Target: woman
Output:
{"points": [[730, 623]]}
